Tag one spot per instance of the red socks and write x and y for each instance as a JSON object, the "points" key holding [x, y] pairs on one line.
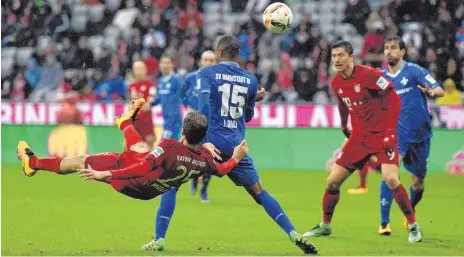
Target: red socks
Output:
{"points": [[329, 202], [130, 133], [401, 198], [49, 164], [363, 176]]}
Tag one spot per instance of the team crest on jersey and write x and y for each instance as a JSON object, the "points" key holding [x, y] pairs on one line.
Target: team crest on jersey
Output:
{"points": [[382, 83], [404, 81], [143, 88], [198, 84], [158, 151], [340, 91], [357, 88]]}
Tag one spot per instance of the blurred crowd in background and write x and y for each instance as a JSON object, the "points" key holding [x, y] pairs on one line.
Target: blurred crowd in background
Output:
{"points": [[87, 47]]}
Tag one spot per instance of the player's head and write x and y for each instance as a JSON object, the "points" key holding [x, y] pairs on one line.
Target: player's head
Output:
{"points": [[342, 55], [139, 70], [208, 58], [227, 48], [194, 127], [394, 50], [166, 65]]}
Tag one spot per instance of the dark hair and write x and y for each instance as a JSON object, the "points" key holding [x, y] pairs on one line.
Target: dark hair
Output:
{"points": [[343, 44], [195, 127], [229, 45], [398, 40]]}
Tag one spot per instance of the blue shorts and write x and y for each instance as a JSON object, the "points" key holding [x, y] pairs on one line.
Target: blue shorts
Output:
{"points": [[415, 157], [171, 132], [245, 173]]}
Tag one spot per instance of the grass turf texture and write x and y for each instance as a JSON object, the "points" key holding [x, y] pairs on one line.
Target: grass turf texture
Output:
{"points": [[61, 215]]}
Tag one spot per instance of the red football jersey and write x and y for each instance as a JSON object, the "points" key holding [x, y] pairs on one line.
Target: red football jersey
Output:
{"points": [[363, 94], [143, 89], [179, 163]]}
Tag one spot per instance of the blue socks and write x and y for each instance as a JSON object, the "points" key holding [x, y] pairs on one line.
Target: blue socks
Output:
{"points": [[415, 196], [206, 179], [165, 211], [386, 199], [274, 210]]}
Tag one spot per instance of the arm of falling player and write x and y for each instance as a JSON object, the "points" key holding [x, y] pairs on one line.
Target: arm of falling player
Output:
{"points": [[140, 169], [223, 169]]}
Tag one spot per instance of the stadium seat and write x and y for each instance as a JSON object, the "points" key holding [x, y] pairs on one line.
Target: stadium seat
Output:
{"points": [[42, 43], [96, 12], [79, 23], [8, 53], [7, 66], [113, 5], [79, 10], [23, 54]]}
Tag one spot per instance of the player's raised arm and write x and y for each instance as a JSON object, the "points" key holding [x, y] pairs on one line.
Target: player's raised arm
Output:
{"points": [[427, 84]]}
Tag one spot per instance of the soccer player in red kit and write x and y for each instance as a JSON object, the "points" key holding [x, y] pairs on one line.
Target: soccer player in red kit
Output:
{"points": [[139, 172], [374, 108], [143, 88]]}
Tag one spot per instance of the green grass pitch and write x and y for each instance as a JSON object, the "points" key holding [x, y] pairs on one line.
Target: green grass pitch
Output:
{"points": [[61, 215]]}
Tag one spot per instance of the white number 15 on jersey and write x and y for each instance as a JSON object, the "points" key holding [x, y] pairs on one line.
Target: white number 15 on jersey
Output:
{"points": [[237, 99]]}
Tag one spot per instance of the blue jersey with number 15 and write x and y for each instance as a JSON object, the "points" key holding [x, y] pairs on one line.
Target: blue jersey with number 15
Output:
{"points": [[232, 95]]}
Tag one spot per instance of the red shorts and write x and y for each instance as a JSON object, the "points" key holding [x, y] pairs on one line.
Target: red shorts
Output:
{"points": [[359, 148], [145, 129], [111, 161]]}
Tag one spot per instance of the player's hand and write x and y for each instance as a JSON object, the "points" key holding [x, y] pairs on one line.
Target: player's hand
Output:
{"points": [[427, 90], [261, 94], [389, 141], [240, 151], [214, 151], [89, 174]]}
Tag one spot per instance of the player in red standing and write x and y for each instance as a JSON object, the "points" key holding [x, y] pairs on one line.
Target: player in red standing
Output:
{"points": [[146, 89], [374, 107]]}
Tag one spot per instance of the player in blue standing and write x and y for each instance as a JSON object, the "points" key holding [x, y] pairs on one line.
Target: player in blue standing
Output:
{"points": [[189, 93], [169, 96], [227, 96], [413, 84]]}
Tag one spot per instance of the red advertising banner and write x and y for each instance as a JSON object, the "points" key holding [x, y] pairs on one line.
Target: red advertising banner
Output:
{"points": [[272, 115]]}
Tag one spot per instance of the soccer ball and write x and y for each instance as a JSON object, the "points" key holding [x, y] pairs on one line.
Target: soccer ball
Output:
{"points": [[277, 17]]}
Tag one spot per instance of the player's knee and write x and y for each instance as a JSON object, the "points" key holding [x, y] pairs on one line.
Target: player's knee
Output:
{"points": [[417, 183], [391, 179], [140, 147], [333, 187]]}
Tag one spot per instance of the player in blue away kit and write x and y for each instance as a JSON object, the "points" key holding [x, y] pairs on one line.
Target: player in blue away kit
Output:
{"points": [[227, 96], [412, 84], [190, 94], [169, 96]]}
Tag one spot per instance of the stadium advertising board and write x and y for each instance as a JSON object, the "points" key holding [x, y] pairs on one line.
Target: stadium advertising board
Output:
{"points": [[271, 116]]}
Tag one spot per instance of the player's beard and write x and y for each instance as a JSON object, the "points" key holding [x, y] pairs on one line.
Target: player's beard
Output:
{"points": [[393, 62]]}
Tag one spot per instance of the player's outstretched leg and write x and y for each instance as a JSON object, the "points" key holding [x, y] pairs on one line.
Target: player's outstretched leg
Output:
{"points": [[163, 219], [31, 163], [329, 201], [386, 199], [274, 210], [204, 189], [390, 176]]}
